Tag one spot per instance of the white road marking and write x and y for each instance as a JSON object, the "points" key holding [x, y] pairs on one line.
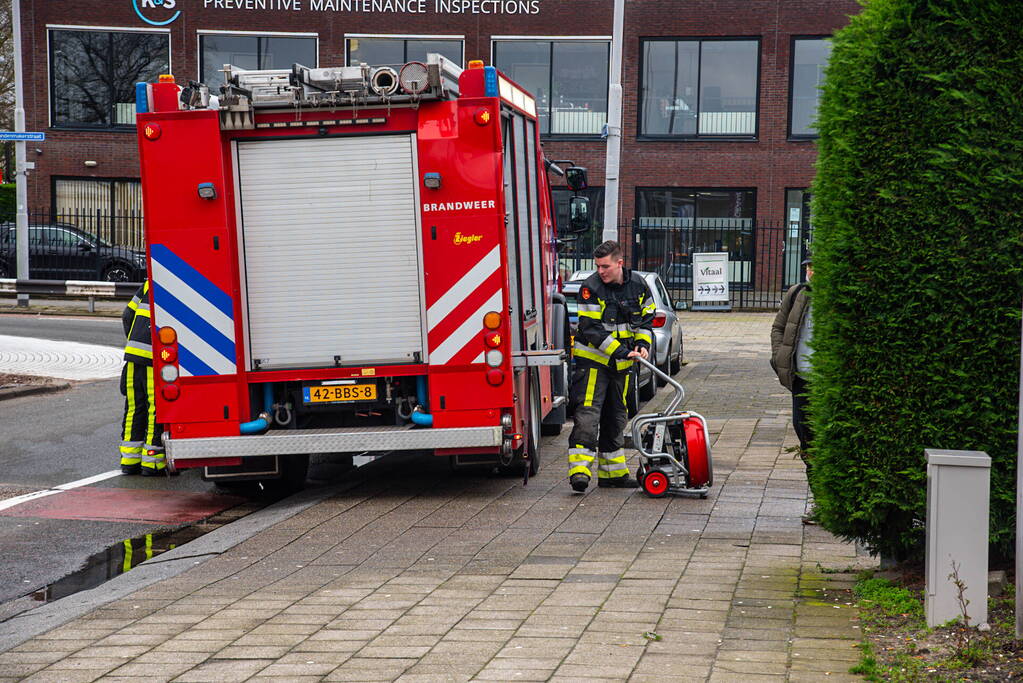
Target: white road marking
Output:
{"points": [[18, 500], [60, 359]]}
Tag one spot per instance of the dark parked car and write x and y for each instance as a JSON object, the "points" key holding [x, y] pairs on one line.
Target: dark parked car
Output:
{"points": [[61, 251]]}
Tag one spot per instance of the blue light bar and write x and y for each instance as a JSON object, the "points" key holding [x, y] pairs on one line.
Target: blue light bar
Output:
{"points": [[141, 98], [490, 81]]}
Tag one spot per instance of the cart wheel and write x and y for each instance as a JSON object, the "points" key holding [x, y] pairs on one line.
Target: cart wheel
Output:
{"points": [[655, 483]]}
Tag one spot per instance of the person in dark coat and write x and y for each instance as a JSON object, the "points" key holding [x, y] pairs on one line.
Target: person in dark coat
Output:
{"points": [[791, 333]]}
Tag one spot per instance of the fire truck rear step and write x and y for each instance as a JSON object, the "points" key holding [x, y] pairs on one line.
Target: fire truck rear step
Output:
{"points": [[352, 439]]}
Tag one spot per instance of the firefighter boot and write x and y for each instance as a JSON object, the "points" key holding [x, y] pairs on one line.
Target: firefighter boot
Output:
{"points": [[154, 463], [623, 482], [579, 482]]}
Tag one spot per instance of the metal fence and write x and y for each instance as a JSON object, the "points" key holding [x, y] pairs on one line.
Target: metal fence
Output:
{"points": [[77, 246], [764, 259]]}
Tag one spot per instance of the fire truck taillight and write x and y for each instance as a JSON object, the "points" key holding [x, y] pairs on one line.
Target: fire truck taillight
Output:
{"points": [[169, 373], [482, 116], [167, 335], [170, 392], [495, 376], [492, 339], [152, 131], [494, 358], [492, 320], [169, 355]]}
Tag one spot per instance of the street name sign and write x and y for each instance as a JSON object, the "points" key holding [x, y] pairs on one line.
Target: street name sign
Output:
{"points": [[15, 136]]}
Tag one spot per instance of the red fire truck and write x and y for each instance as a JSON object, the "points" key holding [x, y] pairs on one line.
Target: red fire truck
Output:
{"points": [[352, 259]]}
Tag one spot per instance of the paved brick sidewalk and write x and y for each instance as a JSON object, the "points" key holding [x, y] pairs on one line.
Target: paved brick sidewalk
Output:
{"points": [[422, 575]]}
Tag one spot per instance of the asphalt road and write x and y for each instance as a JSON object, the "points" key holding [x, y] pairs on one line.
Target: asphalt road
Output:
{"points": [[48, 440], [105, 331]]}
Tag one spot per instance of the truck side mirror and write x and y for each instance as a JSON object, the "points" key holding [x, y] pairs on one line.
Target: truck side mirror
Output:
{"points": [[575, 176], [579, 220]]}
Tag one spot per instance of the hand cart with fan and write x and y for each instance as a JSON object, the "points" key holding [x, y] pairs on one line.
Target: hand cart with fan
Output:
{"points": [[674, 448]]}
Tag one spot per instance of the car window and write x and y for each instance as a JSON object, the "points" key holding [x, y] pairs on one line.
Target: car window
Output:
{"points": [[662, 292], [63, 238], [36, 236]]}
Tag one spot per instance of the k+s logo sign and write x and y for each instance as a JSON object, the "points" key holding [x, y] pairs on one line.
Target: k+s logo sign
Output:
{"points": [[155, 8]]}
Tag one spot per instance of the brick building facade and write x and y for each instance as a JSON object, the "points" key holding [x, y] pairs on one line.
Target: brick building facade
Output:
{"points": [[717, 93]]}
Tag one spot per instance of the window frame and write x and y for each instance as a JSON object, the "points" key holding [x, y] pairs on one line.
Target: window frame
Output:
{"points": [[798, 137], [550, 40], [249, 34], [696, 190], [660, 137], [50, 28], [405, 37]]}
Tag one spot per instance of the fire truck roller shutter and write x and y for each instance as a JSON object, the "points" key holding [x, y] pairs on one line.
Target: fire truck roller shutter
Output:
{"points": [[332, 259]]}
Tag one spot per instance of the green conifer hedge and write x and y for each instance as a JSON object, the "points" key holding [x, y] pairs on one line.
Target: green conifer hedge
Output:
{"points": [[918, 255], [8, 205]]}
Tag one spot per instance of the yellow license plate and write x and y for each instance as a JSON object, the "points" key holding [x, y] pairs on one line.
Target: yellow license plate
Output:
{"points": [[339, 393]]}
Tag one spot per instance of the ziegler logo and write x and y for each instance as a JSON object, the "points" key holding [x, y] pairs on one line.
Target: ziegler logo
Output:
{"points": [[140, 5], [467, 239]]}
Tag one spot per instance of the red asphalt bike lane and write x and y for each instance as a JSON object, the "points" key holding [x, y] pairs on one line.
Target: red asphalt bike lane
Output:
{"points": [[125, 505]]}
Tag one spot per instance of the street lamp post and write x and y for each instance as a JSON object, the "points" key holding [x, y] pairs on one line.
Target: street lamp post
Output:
{"points": [[21, 173], [614, 126]]}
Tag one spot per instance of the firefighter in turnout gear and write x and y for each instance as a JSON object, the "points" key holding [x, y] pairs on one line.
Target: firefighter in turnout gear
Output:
{"points": [[141, 447], [615, 314]]}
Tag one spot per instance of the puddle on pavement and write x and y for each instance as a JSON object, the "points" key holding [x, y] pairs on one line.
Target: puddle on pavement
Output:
{"points": [[125, 555]]}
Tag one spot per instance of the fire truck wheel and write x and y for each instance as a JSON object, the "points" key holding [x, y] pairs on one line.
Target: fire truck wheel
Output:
{"points": [[533, 443], [655, 483]]}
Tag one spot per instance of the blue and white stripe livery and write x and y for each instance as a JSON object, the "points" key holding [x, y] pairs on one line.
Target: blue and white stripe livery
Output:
{"points": [[200, 312]]}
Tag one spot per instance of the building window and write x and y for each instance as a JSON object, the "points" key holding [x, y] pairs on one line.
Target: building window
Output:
{"points": [[106, 207], [809, 57], [93, 75], [798, 234], [699, 87], [568, 79], [674, 223], [251, 52], [397, 51]]}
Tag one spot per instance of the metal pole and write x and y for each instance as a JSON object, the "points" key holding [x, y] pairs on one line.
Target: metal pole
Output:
{"points": [[614, 126], [21, 174], [1019, 498]]}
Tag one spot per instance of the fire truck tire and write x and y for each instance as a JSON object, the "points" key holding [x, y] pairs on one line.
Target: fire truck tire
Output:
{"points": [[559, 375], [533, 440]]}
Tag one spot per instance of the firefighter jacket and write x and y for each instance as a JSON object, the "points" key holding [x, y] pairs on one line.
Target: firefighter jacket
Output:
{"points": [[613, 320], [135, 319]]}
